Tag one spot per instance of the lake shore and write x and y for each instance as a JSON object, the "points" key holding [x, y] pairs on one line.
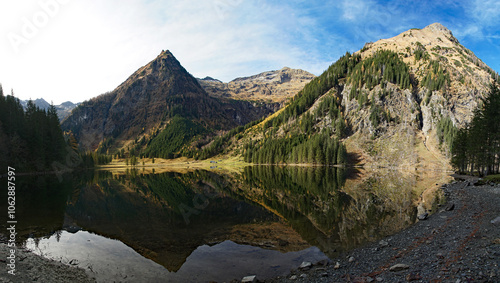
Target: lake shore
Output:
{"points": [[460, 242], [31, 267]]}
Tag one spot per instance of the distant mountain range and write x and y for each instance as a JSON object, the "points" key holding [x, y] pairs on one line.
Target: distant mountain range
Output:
{"points": [[63, 109], [271, 86]]}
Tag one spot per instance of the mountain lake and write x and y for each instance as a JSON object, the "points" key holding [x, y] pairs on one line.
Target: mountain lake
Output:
{"points": [[201, 226]]}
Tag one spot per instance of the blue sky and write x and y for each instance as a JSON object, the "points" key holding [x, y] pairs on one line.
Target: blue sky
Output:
{"points": [[77, 49]]}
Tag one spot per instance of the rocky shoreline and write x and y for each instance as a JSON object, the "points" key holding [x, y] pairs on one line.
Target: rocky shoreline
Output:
{"points": [[33, 268], [458, 243]]}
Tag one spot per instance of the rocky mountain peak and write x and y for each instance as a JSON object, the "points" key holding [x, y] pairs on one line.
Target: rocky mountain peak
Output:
{"points": [[440, 29], [437, 27], [210, 79], [436, 44], [146, 103], [272, 86], [63, 110], [166, 53], [161, 71], [447, 83]]}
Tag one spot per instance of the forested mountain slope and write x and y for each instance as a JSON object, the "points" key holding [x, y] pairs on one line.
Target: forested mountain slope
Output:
{"points": [[396, 102], [161, 104]]}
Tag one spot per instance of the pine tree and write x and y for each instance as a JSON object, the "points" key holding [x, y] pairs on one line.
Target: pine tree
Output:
{"points": [[341, 154]]}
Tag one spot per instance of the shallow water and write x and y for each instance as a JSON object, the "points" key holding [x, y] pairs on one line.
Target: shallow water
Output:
{"points": [[111, 260]]}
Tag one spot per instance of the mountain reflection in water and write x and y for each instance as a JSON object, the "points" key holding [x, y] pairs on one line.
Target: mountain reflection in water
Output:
{"points": [[264, 220]]}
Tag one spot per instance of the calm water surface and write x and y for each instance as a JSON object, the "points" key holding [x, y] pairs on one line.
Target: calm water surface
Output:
{"points": [[205, 226]]}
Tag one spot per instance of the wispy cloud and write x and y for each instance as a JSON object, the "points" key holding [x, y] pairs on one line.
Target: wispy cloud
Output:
{"points": [[477, 28], [353, 10], [92, 46], [102, 43], [486, 12], [480, 19]]}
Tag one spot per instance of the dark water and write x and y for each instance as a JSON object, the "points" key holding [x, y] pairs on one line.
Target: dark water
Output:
{"points": [[205, 226]]}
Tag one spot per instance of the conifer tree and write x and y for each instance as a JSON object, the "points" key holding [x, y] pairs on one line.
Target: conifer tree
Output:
{"points": [[476, 148]]}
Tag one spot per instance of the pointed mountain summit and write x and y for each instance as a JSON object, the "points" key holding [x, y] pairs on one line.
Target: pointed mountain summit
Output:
{"points": [[164, 72], [144, 105]]}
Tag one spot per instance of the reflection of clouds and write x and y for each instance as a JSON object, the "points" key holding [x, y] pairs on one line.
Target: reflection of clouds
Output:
{"points": [[108, 260], [111, 260]]}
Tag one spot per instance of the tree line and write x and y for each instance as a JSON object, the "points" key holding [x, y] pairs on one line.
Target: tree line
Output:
{"points": [[321, 148], [476, 147], [384, 66], [30, 139], [329, 79]]}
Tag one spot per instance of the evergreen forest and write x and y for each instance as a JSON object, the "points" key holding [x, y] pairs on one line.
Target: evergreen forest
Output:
{"points": [[30, 139], [476, 147]]}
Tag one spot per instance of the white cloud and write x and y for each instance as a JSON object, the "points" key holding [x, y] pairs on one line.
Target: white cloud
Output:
{"points": [[472, 30], [90, 47], [483, 17], [354, 10], [486, 12]]}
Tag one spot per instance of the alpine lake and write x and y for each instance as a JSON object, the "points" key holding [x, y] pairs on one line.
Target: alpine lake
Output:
{"points": [[152, 225]]}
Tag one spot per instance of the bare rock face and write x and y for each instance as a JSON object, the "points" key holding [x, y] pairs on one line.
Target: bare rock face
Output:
{"points": [[408, 132], [469, 77], [273, 86]]}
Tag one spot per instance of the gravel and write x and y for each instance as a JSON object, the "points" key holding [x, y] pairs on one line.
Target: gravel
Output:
{"points": [[33, 268], [459, 243]]}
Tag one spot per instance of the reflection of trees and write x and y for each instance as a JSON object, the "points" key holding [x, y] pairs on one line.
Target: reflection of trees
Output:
{"points": [[309, 198], [328, 211], [311, 191], [40, 204], [382, 204], [143, 212]]}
